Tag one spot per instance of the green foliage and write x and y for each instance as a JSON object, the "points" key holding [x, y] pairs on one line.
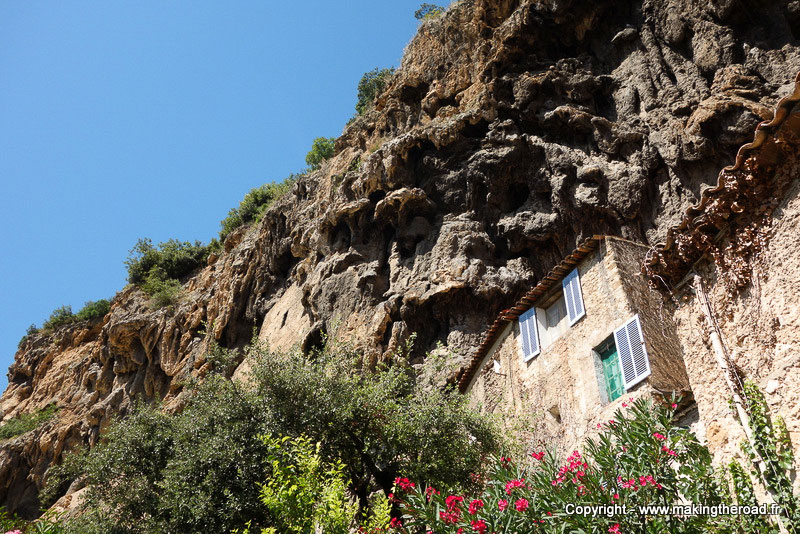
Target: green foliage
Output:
{"points": [[30, 331], [93, 310], [194, 472], [171, 259], [254, 204], [377, 424], [303, 494], [639, 459], [11, 524], [162, 291], [370, 86], [772, 459], [321, 150], [61, 316], [428, 11], [60, 476], [26, 422], [209, 469]]}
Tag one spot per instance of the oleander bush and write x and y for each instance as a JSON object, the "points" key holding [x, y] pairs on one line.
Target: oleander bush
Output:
{"points": [[640, 458]]}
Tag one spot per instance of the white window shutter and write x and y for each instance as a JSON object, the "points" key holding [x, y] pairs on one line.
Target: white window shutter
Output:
{"points": [[571, 284], [632, 353], [530, 334]]}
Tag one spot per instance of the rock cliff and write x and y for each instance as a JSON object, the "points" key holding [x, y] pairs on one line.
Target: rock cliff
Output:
{"points": [[511, 131]]}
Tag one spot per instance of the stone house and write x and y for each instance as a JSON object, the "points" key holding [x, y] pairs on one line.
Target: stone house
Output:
{"points": [[588, 336]]}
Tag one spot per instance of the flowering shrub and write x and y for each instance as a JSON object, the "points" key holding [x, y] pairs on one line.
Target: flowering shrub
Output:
{"points": [[639, 459]]}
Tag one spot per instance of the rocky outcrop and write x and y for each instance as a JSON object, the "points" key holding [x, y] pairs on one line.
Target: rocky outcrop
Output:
{"points": [[512, 131]]}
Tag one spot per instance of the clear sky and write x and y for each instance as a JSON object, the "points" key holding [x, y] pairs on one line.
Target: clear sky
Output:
{"points": [[121, 120]]}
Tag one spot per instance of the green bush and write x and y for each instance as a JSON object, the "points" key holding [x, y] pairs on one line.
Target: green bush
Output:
{"points": [[162, 291], [428, 11], [171, 259], [93, 310], [370, 86], [11, 524], [30, 331], [378, 424], [202, 470], [61, 316], [254, 204], [194, 472], [26, 422], [321, 150]]}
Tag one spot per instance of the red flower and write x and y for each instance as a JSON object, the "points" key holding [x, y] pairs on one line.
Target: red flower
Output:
{"points": [[404, 484], [396, 523], [502, 504], [479, 526], [450, 517], [658, 436], [521, 505], [453, 502], [614, 529], [475, 505], [673, 405], [511, 485], [538, 455]]}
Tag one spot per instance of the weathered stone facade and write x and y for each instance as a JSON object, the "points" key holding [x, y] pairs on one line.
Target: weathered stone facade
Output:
{"points": [[563, 387]]}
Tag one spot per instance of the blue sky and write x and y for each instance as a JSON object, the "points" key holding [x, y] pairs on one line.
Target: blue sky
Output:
{"points": [[121, 120]]}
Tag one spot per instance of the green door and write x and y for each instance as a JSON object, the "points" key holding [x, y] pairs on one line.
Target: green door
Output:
{"points": [[611, 371]]}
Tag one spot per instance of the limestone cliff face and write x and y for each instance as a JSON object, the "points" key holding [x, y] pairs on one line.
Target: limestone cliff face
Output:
{"points": [[512, 130]]}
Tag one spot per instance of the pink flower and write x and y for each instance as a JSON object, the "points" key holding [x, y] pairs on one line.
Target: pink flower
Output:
{"points": [[449, 517], [658, 436], [511, 485], [521, 505], [404, 484], [673, 405], [616, 497], [396, 523], [614, 529], [538, 455], [478, 526], [624, 404], [502, 504], [474, 506], [430, 490], [453, 502]]}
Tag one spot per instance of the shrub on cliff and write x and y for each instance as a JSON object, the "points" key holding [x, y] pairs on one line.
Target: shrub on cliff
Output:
{"points": [[370, 86], [26, 422], [254, 204], [93, 310], [170, 259], [428, 11], [321, 150]]}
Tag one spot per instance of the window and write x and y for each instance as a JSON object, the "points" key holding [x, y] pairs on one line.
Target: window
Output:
{"points": [[612, 374], [552, 321], [622, 360], [529, 334], [632, 352], [571, 284]]}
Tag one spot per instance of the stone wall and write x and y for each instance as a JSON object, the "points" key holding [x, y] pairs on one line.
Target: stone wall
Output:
{"points": [[561, 389], [760, 326]]}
